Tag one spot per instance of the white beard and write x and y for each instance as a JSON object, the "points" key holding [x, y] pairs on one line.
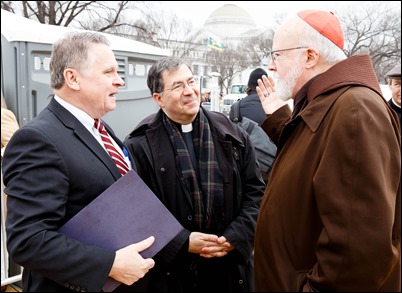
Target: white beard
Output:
{"points": [[284, 87]]}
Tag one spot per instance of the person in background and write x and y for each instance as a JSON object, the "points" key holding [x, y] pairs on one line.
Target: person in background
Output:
{"points": [[330, 218], [9, 125], [203, 169], [394, 83], [56, 164], [250, 106]]}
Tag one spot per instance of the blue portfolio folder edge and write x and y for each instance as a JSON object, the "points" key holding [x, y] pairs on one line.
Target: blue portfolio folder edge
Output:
{"points": [[133, 213]]}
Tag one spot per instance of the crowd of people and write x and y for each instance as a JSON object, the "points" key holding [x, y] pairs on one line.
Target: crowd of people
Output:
{"points": [[328, 219]]}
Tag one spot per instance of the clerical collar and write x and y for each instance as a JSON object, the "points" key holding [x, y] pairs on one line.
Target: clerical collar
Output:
{"points": [[187, 128], [395, 104]]}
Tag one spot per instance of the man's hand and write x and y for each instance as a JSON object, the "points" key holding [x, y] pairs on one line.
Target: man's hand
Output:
{"points": [[200, 240], [129, 266], [209, 245], [266, 92], [219, 249]]}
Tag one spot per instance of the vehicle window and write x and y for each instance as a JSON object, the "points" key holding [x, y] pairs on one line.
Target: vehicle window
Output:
{"points": [[238, 89]]}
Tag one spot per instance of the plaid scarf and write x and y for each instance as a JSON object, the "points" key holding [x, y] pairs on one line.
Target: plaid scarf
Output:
{"points": [[206, 189]]}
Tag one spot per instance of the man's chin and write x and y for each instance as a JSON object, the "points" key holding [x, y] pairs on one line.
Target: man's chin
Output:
{"points": [[283, 92]]}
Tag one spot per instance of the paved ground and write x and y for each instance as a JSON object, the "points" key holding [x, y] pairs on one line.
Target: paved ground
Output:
{"points": [[11, 288]]}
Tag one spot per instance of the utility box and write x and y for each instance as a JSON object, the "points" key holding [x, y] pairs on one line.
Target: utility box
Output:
{"points": [[25, 78]]}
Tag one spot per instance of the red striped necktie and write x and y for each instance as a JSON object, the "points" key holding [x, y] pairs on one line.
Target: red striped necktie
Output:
{"points": [[107, 142]]}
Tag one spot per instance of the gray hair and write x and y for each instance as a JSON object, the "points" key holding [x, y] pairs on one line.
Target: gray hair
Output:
{"points": [[72, 51], [155, 80]]}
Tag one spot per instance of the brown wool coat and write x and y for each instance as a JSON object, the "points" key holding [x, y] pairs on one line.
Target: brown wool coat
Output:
{"points": [[330, 216]]}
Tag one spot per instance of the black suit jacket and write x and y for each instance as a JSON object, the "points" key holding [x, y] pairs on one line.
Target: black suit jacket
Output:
{"points": [[53, 167]]}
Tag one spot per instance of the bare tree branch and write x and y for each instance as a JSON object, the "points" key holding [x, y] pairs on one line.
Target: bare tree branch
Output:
{"points": [[373, 28]]}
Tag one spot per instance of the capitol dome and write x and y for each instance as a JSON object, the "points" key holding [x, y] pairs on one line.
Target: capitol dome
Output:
{"points": [[229, 21]]}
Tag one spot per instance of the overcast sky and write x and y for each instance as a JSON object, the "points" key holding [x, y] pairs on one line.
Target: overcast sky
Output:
{"points": [[261, 11]]}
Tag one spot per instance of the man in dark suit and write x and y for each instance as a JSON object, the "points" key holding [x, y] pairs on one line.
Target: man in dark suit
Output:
{"points": [[57, 164]]}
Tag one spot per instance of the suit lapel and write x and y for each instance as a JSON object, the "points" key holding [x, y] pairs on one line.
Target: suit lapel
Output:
{"points": [[82, 134]]}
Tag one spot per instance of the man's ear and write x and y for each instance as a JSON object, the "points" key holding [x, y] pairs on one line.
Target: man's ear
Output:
{"points": [[313, 55], [70, 77], [158, 99]]}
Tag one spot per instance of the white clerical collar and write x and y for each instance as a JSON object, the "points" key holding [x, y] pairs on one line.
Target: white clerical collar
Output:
{"points": [[187, 128], [393, 101]]}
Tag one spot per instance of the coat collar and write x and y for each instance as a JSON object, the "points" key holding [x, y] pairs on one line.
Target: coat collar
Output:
{"points": [[325, 89], [82, 133], [355, 70]]}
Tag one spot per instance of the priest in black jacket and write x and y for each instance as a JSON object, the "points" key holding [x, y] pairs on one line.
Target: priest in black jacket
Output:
{"points": [[394, 83]]}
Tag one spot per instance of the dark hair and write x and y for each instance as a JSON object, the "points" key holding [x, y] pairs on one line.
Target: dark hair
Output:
{"points": [[254, 76], [154, 80]]}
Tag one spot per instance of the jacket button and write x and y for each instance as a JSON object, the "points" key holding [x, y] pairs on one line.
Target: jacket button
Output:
{"points": [[240, 282], [193, 266], [162, 169], [66, 285], [190, 217]]}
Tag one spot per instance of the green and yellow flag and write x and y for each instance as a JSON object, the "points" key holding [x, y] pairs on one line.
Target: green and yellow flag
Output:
{"points": [[214, 44]]}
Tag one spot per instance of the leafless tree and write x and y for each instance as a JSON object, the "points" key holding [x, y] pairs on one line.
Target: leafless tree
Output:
{"points": [[169, 32], [103, 16], [257, 48], [370, 27], [61, 13], [7, 5], [373, 28], [228, 62], [140, 20]]}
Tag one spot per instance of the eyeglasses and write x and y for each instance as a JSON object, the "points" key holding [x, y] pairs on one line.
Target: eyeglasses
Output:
{"points": [[179, 86], [274, 54]]}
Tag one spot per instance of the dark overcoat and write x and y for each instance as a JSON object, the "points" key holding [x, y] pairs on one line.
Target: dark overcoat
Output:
{"points": [[176, 269]]}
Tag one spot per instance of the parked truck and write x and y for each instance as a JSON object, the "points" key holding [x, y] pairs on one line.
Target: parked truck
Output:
{"points": [[236, 92]]}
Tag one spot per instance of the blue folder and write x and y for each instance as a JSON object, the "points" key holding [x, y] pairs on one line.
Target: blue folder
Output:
{"points": [[134, 213]]}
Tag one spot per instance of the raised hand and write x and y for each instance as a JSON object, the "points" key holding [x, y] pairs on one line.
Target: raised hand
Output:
{"points": [[266, 92]]}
